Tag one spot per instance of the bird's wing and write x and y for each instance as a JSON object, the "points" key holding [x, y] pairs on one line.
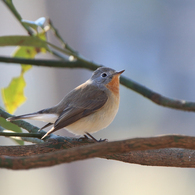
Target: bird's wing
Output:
{"points": [[85, 102], [79, 103]]}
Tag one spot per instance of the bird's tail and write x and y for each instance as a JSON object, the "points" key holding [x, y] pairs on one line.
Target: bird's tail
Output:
{"points": [[39, 116], [25, 116]]}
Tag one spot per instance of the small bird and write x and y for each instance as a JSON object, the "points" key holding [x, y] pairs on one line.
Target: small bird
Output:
{"points": [[88, 108]]}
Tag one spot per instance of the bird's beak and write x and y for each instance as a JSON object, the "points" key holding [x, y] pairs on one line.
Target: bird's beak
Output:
{"points": [[119, 73]]}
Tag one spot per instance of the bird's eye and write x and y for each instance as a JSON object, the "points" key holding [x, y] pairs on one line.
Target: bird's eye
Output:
{"points": [[103, 74]]}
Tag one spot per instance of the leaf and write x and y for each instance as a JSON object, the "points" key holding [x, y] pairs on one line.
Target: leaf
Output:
{"points": [[23, 41], [13, 95], [7, 125], [30, 52]]}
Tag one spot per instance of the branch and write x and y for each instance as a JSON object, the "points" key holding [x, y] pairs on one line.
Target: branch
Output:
{"points": [[118, 150], [171, 157], [52, 145], [51, 63], [156, 97], [148, 93], [28, 137], [8, 134]]}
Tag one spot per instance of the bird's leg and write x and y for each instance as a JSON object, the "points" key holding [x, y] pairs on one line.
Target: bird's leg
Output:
{"points": [[93, 138]]}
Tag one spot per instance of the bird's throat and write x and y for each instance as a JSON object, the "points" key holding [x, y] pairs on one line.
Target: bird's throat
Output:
{"points": [[113, 85]]}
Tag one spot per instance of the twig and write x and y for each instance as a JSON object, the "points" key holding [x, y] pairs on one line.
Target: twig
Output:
{"points": [[64, 44], [156, 97], [29, 138], [51, 63], [8, 134]]}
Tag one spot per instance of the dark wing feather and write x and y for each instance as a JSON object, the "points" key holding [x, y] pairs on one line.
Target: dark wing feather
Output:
{"points": [[85, 101]]}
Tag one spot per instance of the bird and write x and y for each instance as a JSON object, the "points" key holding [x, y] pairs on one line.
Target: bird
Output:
{"points": [[86, 109]]}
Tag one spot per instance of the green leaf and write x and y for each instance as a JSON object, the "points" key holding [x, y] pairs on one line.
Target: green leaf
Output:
{"points": [[7, 125], [29, 41], [23, 41]]}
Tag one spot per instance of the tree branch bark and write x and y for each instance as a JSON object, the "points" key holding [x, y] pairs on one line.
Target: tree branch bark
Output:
{"points": [[131, 150]]}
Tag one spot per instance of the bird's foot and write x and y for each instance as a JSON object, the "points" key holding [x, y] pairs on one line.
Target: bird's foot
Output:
{"points": [[103, 140], [93, 138]]}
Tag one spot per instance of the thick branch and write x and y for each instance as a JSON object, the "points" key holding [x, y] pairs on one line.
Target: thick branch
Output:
{"points": [[104, 150], [58, 143], [171, 157]]}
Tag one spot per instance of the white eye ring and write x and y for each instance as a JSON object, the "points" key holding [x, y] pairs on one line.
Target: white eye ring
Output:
{"points": [[104, 74]]}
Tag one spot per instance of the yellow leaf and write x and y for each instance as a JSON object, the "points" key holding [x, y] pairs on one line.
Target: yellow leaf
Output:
{"points": [[13, 95]]}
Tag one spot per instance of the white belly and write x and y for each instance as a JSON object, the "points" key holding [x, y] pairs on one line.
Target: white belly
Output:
{"points": [[98, 120]]}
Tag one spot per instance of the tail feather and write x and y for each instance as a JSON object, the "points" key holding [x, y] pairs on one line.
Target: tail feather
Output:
{"points": [[45, 117], [25, 116]]}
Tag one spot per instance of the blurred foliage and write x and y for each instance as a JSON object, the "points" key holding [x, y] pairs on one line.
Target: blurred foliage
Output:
{"points": [[13, 95], [27, 47]]}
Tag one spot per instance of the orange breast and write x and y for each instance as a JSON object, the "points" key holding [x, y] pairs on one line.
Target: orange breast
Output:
{"points": [[114, 85]]}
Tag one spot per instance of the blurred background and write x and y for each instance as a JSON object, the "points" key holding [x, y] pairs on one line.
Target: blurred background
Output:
{"points": [[154, 41]]}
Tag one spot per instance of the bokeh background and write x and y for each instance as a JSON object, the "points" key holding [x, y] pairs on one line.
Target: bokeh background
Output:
{"points": [[154, 41]]}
